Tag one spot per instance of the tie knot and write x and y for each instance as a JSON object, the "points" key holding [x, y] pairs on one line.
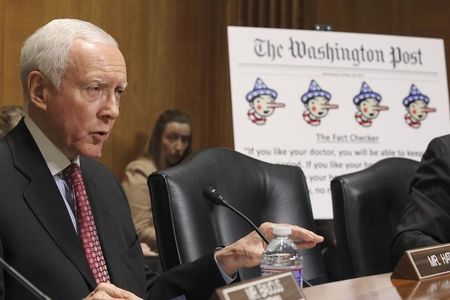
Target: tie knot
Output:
{"points": [[72, 173]]}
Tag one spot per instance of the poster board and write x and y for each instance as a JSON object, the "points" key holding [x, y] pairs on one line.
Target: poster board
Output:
{"points": [[334, 103]]}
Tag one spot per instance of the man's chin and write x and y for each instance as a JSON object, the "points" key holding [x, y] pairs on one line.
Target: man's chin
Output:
{"points": [[92, 152]]}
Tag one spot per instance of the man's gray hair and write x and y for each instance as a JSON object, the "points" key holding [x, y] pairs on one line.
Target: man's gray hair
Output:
{"points": [[47, 49]]}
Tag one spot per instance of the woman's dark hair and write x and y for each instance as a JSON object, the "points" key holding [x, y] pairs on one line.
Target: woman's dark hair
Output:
{"points": [[153, 150]]}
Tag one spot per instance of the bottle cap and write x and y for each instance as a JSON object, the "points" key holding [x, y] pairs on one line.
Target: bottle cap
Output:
{"points": [[282, 230]]}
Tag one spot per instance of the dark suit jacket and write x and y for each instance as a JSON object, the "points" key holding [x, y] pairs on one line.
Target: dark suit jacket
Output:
{"points": [[426, 219], [38, 239]]}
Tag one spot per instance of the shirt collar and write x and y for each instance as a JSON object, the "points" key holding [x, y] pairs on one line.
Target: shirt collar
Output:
{"points": [[55, 159]]}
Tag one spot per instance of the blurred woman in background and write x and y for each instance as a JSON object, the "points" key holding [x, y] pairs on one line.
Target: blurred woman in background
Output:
{"points": [[169, 144]]}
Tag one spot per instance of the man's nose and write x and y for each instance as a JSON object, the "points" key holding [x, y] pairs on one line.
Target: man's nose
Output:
{"points": [[111, 107]]}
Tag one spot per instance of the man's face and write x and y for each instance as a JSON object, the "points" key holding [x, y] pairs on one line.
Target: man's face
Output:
{"points": [[82, 111]]}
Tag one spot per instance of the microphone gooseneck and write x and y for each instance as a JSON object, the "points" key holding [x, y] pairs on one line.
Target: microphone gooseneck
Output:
{"points": [[215, 197]]}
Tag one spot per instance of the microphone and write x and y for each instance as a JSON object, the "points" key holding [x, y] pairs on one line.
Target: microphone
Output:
{"points": [[13, 272], [215, 197]]}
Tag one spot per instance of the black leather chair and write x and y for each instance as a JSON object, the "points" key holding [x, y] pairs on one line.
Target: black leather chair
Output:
{"points": [[189, 226], [367, 206]]}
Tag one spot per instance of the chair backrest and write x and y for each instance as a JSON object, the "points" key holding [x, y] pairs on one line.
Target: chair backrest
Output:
{"points": [[367, 206], [189, 226]]}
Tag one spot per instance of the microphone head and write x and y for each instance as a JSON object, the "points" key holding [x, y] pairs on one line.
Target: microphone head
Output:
{"points": [[213, 195]]}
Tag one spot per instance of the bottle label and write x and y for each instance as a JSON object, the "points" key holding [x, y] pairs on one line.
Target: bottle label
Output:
{"points": [[298, 273]]}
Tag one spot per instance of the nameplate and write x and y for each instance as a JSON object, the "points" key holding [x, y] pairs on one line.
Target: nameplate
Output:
{"points": [[274, 287], [425, 262]]}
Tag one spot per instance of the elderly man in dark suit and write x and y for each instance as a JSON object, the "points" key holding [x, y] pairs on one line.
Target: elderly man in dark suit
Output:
{"points": [[64, 220], [426, 218]]}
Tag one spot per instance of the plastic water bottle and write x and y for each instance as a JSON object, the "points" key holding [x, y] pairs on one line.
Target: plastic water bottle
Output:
{"points": [[282, 255]]}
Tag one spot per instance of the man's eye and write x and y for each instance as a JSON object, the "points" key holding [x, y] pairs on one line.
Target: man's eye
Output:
{"points": [[94, 89], [119, 91]]}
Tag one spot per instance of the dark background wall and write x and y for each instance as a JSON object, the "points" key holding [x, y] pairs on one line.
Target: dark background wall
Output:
{"points": [[176, 51]]}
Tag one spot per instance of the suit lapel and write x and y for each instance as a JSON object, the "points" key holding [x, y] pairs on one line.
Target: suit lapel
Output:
{"points": [[45, 201]]}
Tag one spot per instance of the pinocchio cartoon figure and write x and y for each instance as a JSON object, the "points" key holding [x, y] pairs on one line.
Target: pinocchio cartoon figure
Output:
{"points": [[368, 105], [417, 109], [262, 102], [316, 103]]}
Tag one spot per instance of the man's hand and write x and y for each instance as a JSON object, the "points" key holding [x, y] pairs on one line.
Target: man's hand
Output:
{"points": [[109, 291], [247, 251], [147, 251]]}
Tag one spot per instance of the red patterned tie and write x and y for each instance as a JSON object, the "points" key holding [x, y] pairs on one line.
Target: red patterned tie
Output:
{"points": [[86, 224]]}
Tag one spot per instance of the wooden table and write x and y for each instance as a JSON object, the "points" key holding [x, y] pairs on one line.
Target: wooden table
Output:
{"points": [[381, 287]]}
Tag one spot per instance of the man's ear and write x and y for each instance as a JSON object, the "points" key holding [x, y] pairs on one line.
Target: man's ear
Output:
{"points": [[37, 86]]}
